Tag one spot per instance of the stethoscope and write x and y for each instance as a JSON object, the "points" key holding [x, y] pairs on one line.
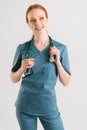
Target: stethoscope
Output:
{"points": [[29, 45]]}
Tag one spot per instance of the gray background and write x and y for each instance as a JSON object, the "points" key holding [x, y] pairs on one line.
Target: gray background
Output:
{"points": [[67, 24]]}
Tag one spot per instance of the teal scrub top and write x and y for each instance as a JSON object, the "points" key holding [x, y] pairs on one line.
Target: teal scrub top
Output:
{"points": [[37, 91]]}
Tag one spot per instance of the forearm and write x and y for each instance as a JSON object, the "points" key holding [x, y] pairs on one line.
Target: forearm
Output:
{"points": [[64, 76], [16, 76]]}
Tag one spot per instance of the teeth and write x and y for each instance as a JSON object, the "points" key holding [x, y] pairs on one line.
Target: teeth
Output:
{"points": [[38, 28]]}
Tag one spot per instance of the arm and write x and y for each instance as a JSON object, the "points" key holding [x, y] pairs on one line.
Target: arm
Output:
{"points": [[26, 63], [64, 76], [16, 76]]}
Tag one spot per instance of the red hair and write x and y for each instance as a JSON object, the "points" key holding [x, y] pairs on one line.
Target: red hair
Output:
{"points": [[35, 6]]}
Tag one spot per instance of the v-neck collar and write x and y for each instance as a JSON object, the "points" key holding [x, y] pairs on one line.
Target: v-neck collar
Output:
{"points": [[41, 51], [33, 47]]}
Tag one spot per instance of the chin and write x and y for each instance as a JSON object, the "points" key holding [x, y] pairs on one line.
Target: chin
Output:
{"points": [[40, 32]]}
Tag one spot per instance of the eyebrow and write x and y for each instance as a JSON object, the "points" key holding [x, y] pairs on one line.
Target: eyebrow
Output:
{"points": [[34, 18]]}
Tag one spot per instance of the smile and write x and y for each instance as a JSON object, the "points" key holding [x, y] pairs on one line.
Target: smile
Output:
{"points": [[39, 28]]}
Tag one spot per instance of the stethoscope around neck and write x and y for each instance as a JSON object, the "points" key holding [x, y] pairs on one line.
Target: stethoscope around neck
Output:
{"points": [[28, 47]]}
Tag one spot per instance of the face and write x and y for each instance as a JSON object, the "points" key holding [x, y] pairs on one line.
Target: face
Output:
{"points": [[37, 21]]}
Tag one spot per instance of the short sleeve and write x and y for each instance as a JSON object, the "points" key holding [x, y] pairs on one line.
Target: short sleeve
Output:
{"points": [[17, 60], [65, 60]]}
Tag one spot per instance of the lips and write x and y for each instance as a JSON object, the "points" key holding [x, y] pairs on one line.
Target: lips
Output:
{"points": [[38, 28]]}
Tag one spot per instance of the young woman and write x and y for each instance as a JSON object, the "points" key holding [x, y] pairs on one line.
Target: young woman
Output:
{"points": [[38, 63]]}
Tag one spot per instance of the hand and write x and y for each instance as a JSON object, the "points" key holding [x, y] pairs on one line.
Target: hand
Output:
{"points": [[55, 52], [27, 63]]}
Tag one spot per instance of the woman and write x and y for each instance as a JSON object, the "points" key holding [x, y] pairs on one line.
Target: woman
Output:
{"points": [[39, 74]]}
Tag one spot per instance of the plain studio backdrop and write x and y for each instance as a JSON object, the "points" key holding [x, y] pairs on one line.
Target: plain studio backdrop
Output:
{"points": [[68, 25]]}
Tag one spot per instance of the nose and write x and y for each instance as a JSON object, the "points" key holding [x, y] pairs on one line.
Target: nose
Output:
{"points": [[37, 23]]}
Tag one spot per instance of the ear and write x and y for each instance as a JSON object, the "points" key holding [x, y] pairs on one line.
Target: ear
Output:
{"points": [[28, 24], [47, 22]]}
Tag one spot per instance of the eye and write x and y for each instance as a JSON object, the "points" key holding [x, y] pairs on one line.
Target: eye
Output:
{"points": [[33, 20], [41, 18]]}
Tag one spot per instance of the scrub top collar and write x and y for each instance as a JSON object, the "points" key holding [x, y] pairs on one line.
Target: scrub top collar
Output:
{"points": [[29, 44]]}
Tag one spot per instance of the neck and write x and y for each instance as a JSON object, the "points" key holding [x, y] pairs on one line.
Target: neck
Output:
{"points": [[41, 39]]}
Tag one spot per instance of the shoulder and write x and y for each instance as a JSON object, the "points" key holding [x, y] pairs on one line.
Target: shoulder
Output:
{"points": [[22, 46], [60, 45]]}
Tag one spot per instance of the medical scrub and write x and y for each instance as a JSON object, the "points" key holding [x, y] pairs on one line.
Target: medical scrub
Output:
{"points": [[37, 96]]}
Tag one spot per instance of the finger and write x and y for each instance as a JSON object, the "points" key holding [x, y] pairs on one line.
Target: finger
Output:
{"points": [[53, 47], [30, 65], [31, 59], [31, 62]]}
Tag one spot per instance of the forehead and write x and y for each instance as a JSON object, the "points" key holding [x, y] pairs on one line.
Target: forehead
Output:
{"points": [[36, 13]]}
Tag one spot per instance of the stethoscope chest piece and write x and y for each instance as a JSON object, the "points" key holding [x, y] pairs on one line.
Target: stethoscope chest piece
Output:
{"points": [[51, 59]]}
